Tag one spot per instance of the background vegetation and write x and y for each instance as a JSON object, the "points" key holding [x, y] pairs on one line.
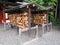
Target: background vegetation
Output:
{"points": [[44, 3]]}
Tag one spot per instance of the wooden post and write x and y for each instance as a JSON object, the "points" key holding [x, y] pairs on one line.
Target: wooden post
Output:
{"points": [[37, 31], [42, 29], [29, 19], [4, 21], [20, 36], [47, 20]]}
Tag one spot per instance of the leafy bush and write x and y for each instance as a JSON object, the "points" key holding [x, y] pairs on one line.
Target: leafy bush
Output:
{"points": [[44, 3]]}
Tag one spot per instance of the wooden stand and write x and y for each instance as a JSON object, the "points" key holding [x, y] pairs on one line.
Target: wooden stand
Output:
{"points": [[46, 25], [21, 31]]}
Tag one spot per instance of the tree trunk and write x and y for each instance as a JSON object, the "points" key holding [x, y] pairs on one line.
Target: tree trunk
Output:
{"points": [[58, 10]]}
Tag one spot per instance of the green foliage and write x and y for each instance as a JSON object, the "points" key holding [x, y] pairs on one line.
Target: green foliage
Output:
{"points": [[52, 18], [40, 2], [43, 4], [50, 2]]}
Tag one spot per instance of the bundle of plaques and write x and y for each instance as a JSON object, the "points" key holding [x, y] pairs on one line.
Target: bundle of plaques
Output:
{"points": [[40, 19]]}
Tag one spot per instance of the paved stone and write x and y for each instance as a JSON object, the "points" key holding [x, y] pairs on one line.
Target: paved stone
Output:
{"points": [[49, 38], [10, 37]]}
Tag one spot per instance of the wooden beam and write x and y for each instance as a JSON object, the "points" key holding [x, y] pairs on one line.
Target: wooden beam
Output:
{"points": [[20, 0], [15, 0]]}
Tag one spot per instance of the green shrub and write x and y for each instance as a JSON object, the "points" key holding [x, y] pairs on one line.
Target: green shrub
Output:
{"points": [[44, 3]]}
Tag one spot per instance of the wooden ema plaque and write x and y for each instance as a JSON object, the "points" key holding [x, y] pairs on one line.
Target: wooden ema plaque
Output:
{"points": [[40, 19], [19, 20], [12, 19], [22, 21]]}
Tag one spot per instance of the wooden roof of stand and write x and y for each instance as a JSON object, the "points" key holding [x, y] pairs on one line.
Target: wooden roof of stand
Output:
{"points": [[20, 0], [10, 2], [33, 6], [5, 3], [15, 0]]}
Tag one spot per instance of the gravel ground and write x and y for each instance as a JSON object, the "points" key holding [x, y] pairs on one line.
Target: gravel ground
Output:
{"points": [[10, 37], [50, 38]]}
